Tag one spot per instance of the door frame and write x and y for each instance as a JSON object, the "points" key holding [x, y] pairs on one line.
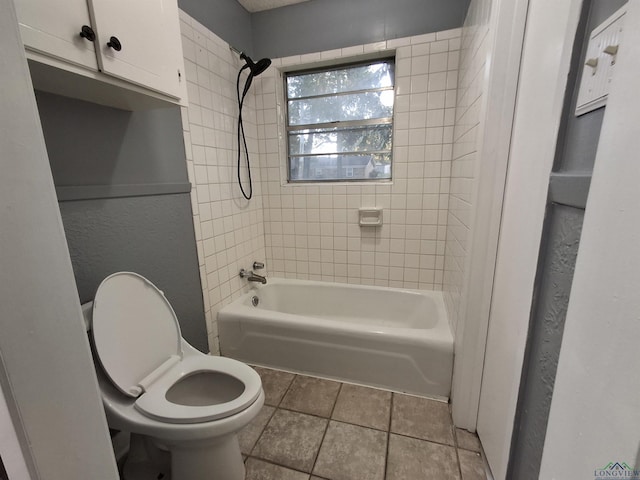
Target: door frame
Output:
{"points": [[507, 29], [546, 55]]}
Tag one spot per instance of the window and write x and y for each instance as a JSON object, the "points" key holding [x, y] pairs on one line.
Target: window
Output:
{"points": [[340, 122]]}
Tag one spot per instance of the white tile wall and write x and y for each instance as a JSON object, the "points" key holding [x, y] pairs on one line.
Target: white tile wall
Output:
{"points": [[312, 231], [468, 116], [229, 230]]}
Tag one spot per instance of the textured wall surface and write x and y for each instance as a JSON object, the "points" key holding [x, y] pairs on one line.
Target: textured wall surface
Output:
{"points": [[91, 145], [150, 235], [320, 25], [474, 56], [554, 287], [312, 230], [229, 229]]}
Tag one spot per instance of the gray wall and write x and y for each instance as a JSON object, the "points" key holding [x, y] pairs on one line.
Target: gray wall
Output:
{"points": [[226, 18], [149, 235], [122, 180], [319, 25], [89, 144], [578, 140], [569, 185]]}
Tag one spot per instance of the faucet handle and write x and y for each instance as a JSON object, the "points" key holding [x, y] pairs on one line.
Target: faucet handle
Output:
{"points": [[258, 265]]}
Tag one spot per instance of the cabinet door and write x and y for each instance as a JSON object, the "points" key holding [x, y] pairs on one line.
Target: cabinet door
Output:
{"points": [[148, 32], [53, 27]]}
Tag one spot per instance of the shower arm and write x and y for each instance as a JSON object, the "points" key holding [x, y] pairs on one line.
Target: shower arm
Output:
{"points": [[235, 50]]}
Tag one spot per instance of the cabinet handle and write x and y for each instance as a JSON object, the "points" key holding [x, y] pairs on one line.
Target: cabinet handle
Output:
{"points": [[115, 44], [88, 33]]}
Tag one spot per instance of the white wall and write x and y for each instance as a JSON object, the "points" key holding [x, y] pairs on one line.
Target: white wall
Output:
{"points": [[46, 369], [229, 229], [470, 123], [312, 230], [490, 63], [595, 411], [550, 32]]}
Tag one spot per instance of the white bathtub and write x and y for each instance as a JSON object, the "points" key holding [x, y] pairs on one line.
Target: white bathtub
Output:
{"points": [[382, 337]]}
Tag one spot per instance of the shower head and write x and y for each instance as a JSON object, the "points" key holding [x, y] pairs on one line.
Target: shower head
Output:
{"points": [[256, 68]]}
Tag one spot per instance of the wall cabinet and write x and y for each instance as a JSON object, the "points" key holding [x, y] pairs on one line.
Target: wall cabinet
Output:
{"points": [[131, 45]]}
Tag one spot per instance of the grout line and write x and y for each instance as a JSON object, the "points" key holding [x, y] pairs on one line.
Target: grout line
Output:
{"points": [[459, 464], [293, 379], [273, 462], [326, 428], [455, 441], [386, 454], [329, 419], [275, 409]]}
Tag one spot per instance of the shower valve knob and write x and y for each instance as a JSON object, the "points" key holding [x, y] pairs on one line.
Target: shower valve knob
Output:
{"points": [[258, 265]]}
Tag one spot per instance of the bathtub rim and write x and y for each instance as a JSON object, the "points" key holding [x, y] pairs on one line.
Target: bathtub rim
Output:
{"points": [[440, 332]]}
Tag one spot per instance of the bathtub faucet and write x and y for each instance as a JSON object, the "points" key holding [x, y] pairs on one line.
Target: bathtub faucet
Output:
{"points": [[252, 277]]}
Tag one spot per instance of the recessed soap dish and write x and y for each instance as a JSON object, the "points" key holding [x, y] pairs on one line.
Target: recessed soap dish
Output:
{"points": [[370, 217]]}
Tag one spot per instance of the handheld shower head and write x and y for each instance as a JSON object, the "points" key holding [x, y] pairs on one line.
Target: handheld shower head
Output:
{"points": [[256, 68]]}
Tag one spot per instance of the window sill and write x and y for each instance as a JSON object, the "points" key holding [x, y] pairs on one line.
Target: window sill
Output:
{"points": [[357, 183]]}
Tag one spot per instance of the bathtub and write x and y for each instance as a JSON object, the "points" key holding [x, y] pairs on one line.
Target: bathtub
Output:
{"points": [[387, 338]]}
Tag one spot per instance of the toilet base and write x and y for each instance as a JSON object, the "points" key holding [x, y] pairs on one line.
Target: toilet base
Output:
{"points": [[146, 461], [212, 460], [217, 460]]}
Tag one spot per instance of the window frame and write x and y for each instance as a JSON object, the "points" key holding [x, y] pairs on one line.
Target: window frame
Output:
{"points": [[355, 123]]}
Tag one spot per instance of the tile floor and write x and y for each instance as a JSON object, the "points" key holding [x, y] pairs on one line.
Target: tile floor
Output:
{"points": [[314, 429]]}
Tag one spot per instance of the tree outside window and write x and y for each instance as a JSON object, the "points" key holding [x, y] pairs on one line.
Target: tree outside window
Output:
{"points": [[340, 122]]}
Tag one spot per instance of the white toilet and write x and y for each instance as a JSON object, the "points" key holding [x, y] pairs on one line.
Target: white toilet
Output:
{"points": [[182, 407]]}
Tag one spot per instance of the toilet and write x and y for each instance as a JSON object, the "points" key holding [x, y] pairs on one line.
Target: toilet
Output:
{"points": [[183, 408]]}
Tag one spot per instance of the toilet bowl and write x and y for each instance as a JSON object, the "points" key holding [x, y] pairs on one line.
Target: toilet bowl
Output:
{"points": [[168, 395]]}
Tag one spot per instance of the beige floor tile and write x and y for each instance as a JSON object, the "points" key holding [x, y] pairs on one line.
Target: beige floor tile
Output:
{"points": [[350, 452], [421, 418], [413, 459], [311, 395], [274, 384], [471, 465], [363, 406], [291, 439], [467, 440], [260, 470], [248, 436]]}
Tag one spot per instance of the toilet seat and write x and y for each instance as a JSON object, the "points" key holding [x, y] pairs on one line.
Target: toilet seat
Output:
{"points": [[138, 342], [154, 403]]}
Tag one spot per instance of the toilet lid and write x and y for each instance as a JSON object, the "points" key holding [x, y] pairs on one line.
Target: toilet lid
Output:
{"points": [[135, 330]]}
